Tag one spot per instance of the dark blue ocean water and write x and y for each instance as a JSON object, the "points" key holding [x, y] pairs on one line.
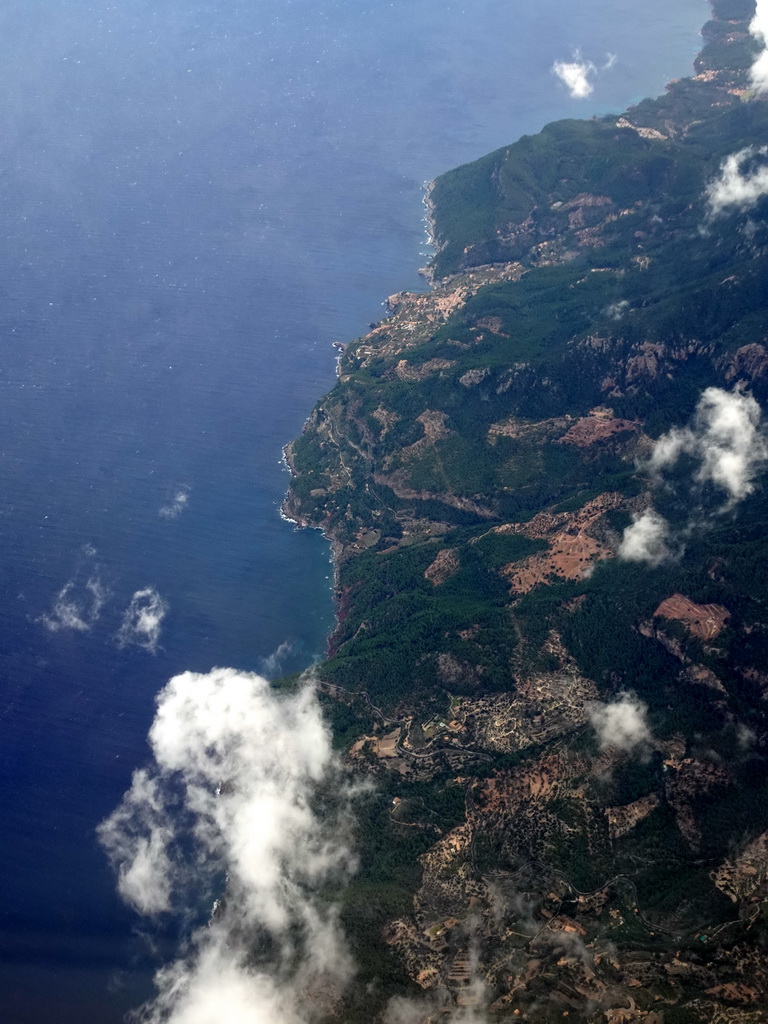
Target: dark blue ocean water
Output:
{"points": [[196, 199]]}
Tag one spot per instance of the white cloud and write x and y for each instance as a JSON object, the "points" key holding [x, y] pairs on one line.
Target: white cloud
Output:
{"points": [[142, 620], [646, 540], [759, 29], [402, 1010], [728, 447], [230, 794], [570, 944], [222, 990], [616, 310], [177, 504], [272, 665], [725, 439], [742, 181], [137, 837], [576, 75], [745, 737], [623, 724], [77, 606]]}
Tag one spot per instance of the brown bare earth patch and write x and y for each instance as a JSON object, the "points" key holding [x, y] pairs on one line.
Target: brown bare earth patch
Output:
{"points": [[735, 992], [516, 428], [386, 417], [569, 558], [646, 363], [504, 793], [748, 361], [381, 746], [384, 748], [598, 426], [644, 133], [572, 548], [453, 671], [492, 323], [407, 372], [434, 425], [745, 878], [623, 819], [435, 429], [705, 621], [474, 377], [444, 566], [578, 207], [399, 482]]}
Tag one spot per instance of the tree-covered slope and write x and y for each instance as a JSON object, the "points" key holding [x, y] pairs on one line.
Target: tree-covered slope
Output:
{"points": [[544, 483], [511, 202]]}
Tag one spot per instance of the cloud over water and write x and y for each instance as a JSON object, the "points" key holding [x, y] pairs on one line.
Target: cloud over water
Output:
{"points": [[232, 795]]}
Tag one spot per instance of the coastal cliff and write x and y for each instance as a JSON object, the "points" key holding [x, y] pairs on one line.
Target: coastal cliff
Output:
{"points": [[550, 556]]}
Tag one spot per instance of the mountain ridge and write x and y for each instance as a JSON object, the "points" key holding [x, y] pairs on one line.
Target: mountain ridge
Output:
{"points": [[541, 482]]}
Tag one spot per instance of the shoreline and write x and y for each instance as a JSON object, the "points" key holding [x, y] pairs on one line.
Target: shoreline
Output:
{"points": [[431, 239], [300, 523], [288, 508]]}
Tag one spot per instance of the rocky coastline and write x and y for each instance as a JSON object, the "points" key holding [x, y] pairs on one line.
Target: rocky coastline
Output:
{"points": [[568, 738]]}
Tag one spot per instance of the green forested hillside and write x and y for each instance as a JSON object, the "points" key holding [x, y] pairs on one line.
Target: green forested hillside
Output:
{"points": [[501, 206], [544, 481]]}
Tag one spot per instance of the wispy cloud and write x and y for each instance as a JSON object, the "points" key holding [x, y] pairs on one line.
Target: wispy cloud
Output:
{"points": [[622, 724], [231, 793], [476, 996], [616, 310], [742, 181], [77, 606], [759, 29], [273, 665], [177, 504], [137, 838], [745, 737], [727, 446], [142, 620], [725, 440], [577, 74]]}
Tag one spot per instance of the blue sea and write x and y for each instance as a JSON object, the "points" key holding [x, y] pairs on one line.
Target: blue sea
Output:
{"points": [[197, 198]]}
